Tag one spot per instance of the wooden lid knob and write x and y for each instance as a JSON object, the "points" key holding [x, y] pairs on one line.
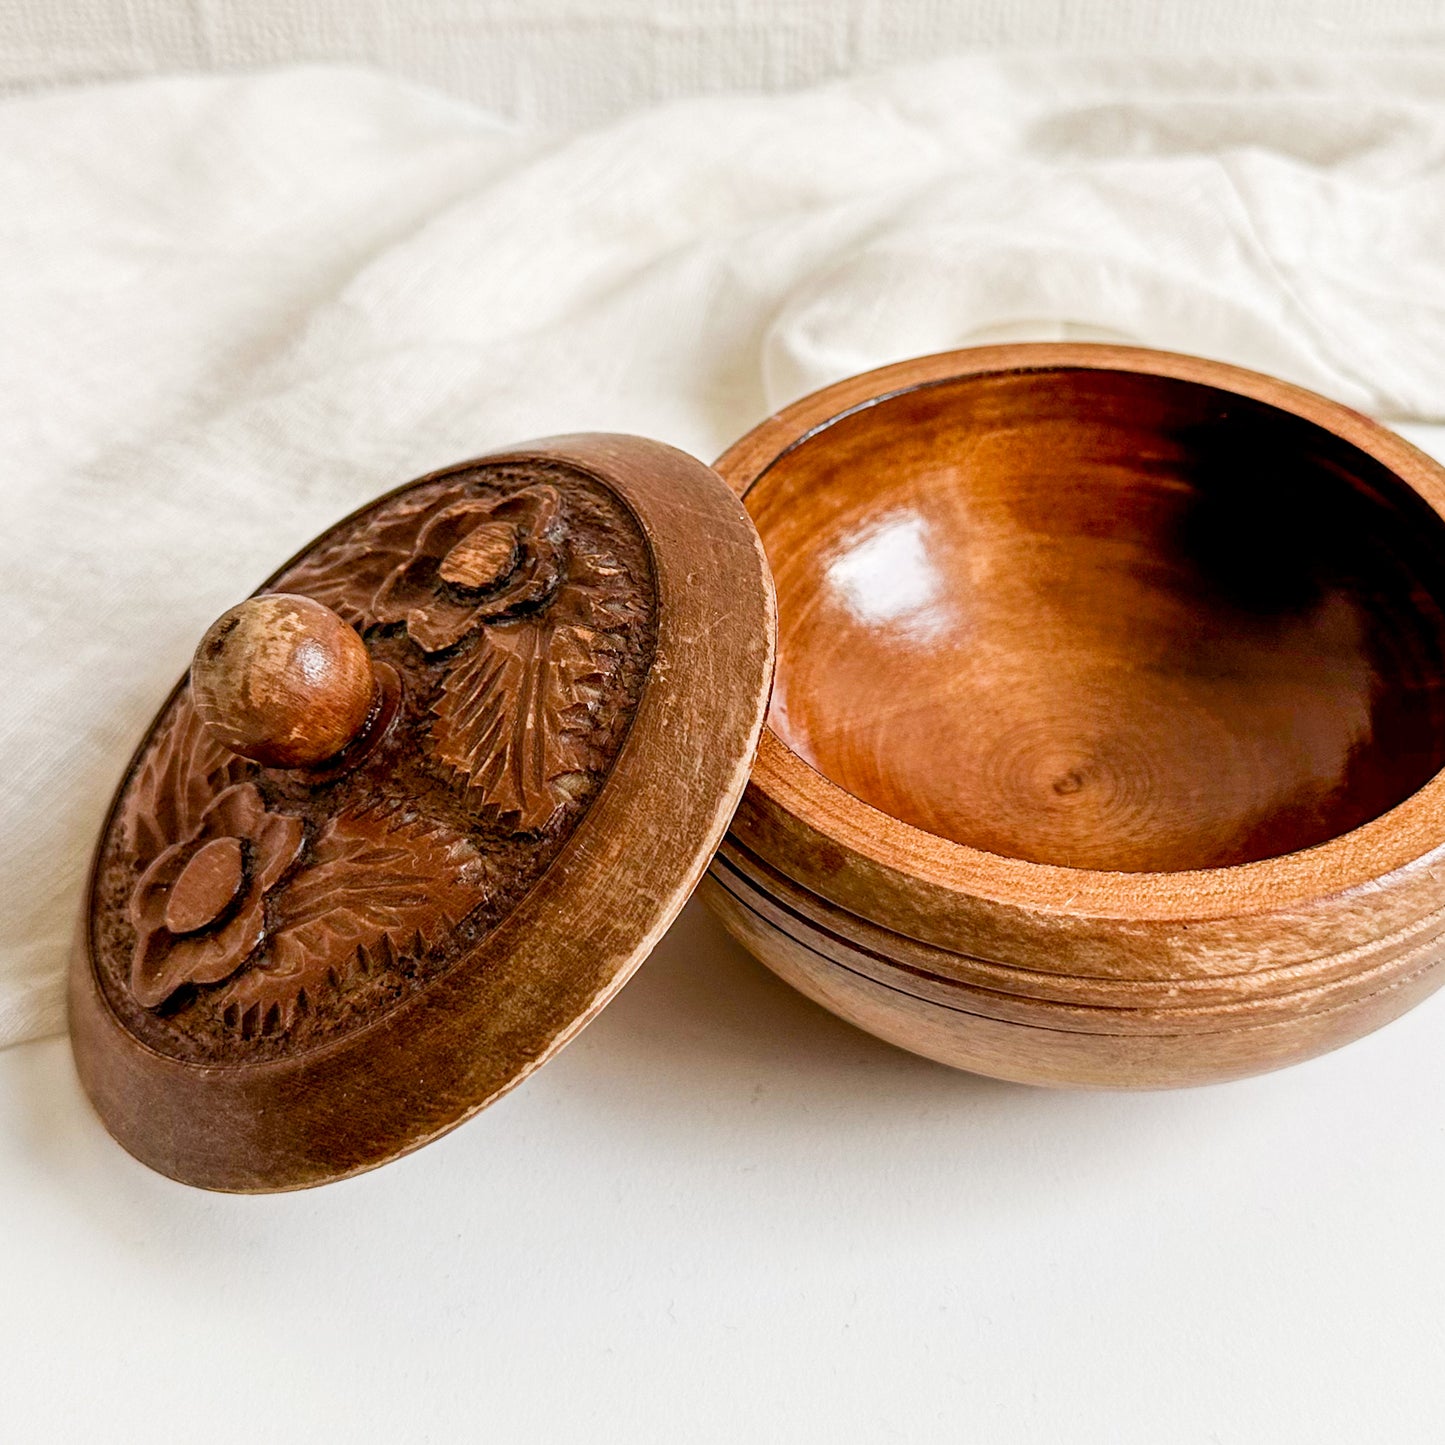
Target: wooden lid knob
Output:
{"points": [[283, 680]]}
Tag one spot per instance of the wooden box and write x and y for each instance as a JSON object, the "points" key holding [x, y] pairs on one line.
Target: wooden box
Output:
{"points": [[1105, 749]]}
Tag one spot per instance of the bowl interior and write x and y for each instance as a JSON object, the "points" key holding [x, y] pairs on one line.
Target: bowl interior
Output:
{"points": [[1105, 620]]}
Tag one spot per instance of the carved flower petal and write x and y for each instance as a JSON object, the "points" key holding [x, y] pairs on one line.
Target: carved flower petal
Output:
{"points": [[235, 813], [438, 623], [153, 887], [535, 510], [416, 594], [221, 954], [483, 559], [274, 847], [532, 582], [448, 528], [163, 963], [151, 966], [415, 580], [408, 585]]}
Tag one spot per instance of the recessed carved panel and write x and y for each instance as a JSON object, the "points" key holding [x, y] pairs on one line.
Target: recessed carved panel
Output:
{"points": [[244, 912]]}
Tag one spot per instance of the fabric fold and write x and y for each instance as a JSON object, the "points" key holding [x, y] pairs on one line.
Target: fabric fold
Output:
{"points": [[238, 307]]}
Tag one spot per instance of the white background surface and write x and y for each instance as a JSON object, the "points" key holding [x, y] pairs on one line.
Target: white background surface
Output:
{"points": [[721, 1215], [237, 309], [573, 62]]}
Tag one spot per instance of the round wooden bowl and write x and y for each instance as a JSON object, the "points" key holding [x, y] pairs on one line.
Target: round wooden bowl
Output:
{"points": [[1114, 682]]}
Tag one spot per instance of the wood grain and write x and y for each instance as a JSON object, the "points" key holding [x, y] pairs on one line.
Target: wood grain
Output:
{"points": [[1105, 620], [277, 1104], [283, 680], [1005, 1048], [1108, 680], [1088, 1013], [784, 903]]}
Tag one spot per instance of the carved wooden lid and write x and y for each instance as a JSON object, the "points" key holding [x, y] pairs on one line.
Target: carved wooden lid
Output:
{"points": [[422, 806]]}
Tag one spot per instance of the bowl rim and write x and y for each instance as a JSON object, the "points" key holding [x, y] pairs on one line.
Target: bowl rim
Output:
{"points": [[788, 787]]}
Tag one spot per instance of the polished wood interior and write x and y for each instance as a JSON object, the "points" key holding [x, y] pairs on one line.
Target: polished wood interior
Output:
{"points": [[1105, 620]]}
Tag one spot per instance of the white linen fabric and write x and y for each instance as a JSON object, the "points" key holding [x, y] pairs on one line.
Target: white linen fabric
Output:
{"points": [[236, 308], [577, 62]]}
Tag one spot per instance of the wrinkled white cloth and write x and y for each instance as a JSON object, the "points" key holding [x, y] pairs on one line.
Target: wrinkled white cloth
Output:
{"points": [[232, 309]]}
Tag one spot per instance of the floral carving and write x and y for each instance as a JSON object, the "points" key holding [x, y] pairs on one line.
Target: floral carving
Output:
{"points": [[246, 912], [517, 717], [474, 562], [376, 886], [347, 571], [199, 908], [183, 771]]}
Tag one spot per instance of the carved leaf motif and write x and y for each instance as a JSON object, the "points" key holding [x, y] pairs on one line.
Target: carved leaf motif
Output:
{"points": [[346, 574], [185, 769], [518, 715], [378, 886]]}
